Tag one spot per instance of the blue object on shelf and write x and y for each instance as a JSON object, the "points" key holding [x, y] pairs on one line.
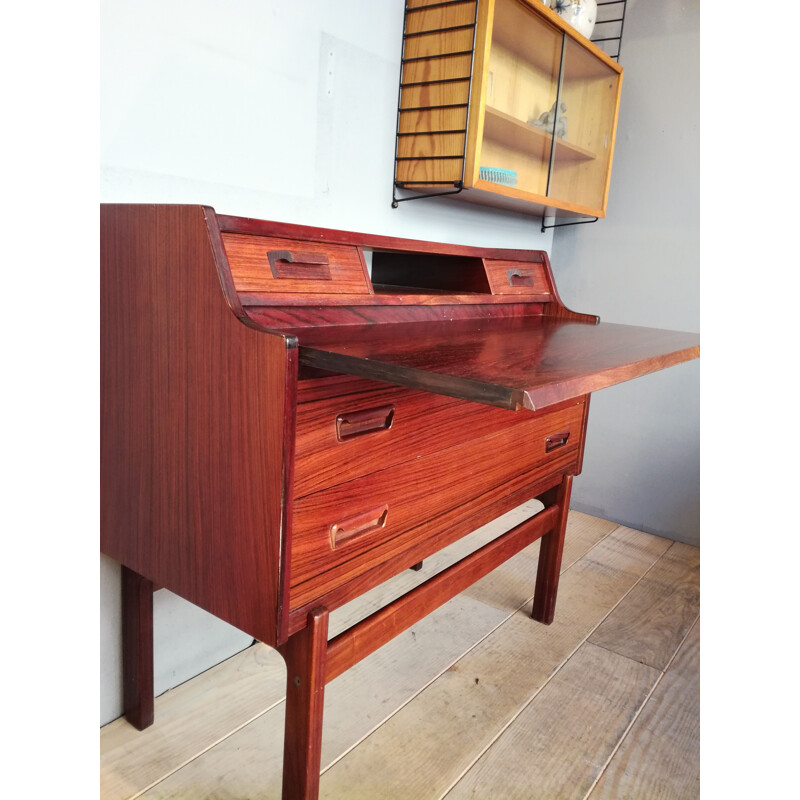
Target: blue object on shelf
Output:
{"points": [[505, 177]]}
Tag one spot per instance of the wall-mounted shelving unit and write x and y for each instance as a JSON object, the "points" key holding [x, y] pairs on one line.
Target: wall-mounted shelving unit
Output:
{"points": [[477, 80]]}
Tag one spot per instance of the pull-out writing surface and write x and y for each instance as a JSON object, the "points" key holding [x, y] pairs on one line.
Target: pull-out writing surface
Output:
{"points": [[524, 362]]}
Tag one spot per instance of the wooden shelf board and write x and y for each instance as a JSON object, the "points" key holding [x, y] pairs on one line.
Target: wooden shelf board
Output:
{"points": [[519, 135], [515, 199]]}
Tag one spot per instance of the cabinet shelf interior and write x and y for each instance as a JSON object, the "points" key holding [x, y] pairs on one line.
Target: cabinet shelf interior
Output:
{"points": [[534, 141]]}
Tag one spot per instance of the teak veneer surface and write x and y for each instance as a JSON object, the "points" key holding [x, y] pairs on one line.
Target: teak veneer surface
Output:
{"points": [[250, 266], [524, 362], [421, 489], [197, 432], [421, 424], [341, 584]]}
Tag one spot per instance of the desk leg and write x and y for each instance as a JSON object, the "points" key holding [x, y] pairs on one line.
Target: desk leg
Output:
{"points": [[550, 551], [137, 648], [305, 655]]}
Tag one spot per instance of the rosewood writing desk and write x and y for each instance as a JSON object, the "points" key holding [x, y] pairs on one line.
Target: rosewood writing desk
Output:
{"points": [[292, 415]]}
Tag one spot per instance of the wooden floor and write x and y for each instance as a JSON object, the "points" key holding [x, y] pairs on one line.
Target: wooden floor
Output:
{"points": [[475, 701]]}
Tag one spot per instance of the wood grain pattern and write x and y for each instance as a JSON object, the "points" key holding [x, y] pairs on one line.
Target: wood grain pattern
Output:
{"points": [[355, 644], [515, 278], [278, 310], [660, 756], [512, 580], [517, 134], [192, 468], [550, 552], [579, 468], [211, 708], [515, 70], [520, 201], [422, 424], [327, 386], [294, 316], [463, 716], [199, 404], [379, 597], [652, 621], [251, 272], [585, 709], [189, 719], [468, 305], [417, 491], [308, 233], [137, 649], [344, 583], [305, 655], [527, 362], [421, 90], [248, 762]]}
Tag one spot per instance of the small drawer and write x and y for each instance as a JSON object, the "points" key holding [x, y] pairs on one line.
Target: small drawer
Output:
{"points": [[268, 264], [517, 277], [342, 438], [343, 531]]}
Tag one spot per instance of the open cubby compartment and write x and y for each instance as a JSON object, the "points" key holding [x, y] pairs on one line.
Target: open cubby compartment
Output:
{"points": [[394, 272]]}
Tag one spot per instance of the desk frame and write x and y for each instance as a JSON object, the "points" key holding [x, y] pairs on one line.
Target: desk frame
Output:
{"points": [[200, 383]]}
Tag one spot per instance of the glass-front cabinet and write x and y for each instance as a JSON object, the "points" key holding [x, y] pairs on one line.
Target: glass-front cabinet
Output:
{"points": [[503, 103]]}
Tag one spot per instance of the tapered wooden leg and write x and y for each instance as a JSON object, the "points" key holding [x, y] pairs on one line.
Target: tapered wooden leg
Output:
{"points": [[305, 653], [137, 648], [550, 551]]}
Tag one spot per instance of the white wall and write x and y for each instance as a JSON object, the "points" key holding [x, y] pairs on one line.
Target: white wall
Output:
{"points": [[640, 266], [267, 109]]}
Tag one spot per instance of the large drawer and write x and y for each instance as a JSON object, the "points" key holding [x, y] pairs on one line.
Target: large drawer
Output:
{"points": [[270, 264], [342, 438], [349, 528]]}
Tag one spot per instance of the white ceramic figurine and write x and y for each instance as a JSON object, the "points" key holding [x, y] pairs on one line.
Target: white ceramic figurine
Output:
{"points": [[581, 14]]}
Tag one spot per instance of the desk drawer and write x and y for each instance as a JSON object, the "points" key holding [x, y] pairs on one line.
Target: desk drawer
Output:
{"points": [[517, 277], [270, 264], [342, 438], [347, 529]]}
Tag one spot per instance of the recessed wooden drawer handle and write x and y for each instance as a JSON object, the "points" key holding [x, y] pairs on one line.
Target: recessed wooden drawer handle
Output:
{"points": [[555, 440], [357, 423], [360, 524], [519, 277], [310, 266]]}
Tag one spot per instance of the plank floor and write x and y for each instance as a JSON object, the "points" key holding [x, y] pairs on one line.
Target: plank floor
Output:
{"points": [[475, 701]]}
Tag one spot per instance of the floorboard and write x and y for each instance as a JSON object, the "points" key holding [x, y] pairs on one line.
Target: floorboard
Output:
{"points": [[476, 700], [660, 758], [656, 616], [584, 710], [188, 720], [470, 704]]}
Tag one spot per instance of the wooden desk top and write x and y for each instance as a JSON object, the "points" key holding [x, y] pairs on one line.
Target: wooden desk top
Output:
{"points": [[522, 362]]}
